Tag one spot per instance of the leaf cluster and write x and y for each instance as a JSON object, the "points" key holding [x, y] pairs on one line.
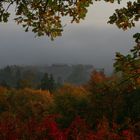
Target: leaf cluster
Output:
{"points": [[44, 17], [127, 16], [129, 65]]}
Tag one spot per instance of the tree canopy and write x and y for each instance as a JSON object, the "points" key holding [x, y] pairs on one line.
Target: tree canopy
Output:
{"points": [[44, 17]]}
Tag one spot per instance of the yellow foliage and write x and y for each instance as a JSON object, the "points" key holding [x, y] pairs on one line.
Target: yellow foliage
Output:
{"points": [[25, 102], [76, 91], [45, 94]]}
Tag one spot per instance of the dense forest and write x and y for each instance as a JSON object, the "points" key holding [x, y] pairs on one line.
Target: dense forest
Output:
{"points": [[103, 108]]}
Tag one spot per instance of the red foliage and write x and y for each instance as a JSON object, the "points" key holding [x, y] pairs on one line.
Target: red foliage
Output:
{"points": [[12, 128]]}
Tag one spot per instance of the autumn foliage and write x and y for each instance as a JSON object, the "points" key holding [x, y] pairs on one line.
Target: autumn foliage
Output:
{"points": [[99, 110], [11, 128]]}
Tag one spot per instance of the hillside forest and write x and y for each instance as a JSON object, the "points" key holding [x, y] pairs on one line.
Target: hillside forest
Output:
{"points": [[104, 107]]}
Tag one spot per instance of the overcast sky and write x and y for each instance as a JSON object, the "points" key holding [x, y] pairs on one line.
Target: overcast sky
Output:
{"points": [[93, 41]]}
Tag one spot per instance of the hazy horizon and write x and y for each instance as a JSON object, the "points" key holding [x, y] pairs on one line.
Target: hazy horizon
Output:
{"points": [[93, 41]]}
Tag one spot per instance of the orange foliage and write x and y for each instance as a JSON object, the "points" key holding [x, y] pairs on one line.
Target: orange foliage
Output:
{"points": [[3, 90], [98, 77]]}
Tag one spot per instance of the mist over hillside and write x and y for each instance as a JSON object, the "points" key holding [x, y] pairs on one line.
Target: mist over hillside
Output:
{"points": [[62, 73]]}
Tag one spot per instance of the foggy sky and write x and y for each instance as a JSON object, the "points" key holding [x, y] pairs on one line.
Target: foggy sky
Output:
{"points": [[93, 41]]}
